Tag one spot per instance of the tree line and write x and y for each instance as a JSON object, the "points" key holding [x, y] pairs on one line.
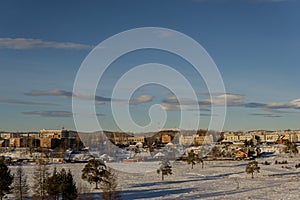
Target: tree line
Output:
{"points": [[57, 184]]}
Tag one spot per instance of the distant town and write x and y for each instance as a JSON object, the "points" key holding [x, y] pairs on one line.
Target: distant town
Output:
{"points": [[70, 146]]}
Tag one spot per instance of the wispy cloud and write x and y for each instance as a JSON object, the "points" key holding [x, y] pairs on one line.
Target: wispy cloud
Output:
{"points": [[230, 99], [255, 105], [295, 104], [141, 99], [265, 115], [226, 99], [174, 103], [29, 43], [62, 93], [13, 101], [173, 100], [206, 115], [171, 107], [53, 92], [44, 113]]}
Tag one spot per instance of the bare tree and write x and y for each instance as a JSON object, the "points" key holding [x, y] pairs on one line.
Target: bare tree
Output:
{"points": [[40, 180], [20, 186], [109, 186], [194, 158], [165, 169]]}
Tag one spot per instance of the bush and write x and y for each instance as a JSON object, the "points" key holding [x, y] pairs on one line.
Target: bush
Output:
{"points": [[267, 163], [281, 163], [252, 167]]}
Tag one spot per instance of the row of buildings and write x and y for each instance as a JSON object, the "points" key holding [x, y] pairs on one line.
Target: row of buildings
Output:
{"points": [[263, 136], [69, 139], [195, 138], [49, 139]]}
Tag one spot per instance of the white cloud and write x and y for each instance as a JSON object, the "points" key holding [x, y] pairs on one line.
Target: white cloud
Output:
{"points": [[228, 99], [181, 101], [296, 103], [187, 102], [142, 99], [171, 107], [28, 43], [279, 105]]}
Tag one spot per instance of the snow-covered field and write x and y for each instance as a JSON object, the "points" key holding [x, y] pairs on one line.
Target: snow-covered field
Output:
{"points": [[217, 180]]}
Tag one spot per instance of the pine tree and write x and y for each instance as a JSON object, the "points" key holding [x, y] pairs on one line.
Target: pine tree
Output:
{"points": [[40, 180], [53, 183], [61, 184], [252, 167], [165, 169], [20, 186], [94, 171], [67, 186], [5, 180], [109, 186]]}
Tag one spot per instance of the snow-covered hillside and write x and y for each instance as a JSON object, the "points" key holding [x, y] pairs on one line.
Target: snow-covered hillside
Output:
{"points": [[217, 180]]}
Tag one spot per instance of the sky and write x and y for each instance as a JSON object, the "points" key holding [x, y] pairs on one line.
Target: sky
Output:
{"points": [[255, 45]]}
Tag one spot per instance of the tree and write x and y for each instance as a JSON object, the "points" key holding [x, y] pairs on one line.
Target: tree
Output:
{"points": [[252, 167], [40, 176], [53, 183], [165, 169], [194, 158], [67, 186], [109, 186], [94, 171], [215, 152], [290, 147], [61, 184], [248, 143], [20, 186], [5, 180]]}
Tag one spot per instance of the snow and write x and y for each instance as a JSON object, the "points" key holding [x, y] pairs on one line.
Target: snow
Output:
{"points": [[217, 180]]}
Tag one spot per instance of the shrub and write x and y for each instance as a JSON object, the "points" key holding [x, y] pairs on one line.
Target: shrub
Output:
{"points": [[267, 163]]}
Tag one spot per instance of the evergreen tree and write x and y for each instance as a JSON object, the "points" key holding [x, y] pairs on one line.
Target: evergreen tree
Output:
{"points": [[6, 179], [61, 184], [53, 183], [67, 186], [94, 171], [40, 177], [165, 169], [252, 167], [20, 186], [109, 186]]}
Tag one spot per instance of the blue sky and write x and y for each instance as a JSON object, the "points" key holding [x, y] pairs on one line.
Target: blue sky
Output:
{"points": [[254, 43]]}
